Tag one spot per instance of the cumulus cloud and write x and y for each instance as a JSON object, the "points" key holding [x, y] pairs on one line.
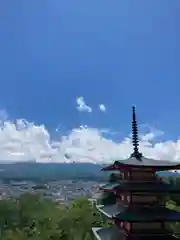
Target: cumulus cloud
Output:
{"points": [[24, 141], [102, 108], [82, 106]]}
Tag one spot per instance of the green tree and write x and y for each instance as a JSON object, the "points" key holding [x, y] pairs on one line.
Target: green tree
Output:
{"points": [[32, 217]]}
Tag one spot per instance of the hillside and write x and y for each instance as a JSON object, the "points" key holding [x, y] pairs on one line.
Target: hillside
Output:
{"points": [[51, 171]]}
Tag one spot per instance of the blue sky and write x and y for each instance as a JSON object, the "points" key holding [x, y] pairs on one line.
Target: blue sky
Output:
{"points": [[117, 53]]}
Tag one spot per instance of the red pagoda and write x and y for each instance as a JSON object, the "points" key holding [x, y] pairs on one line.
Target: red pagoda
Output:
{"points": [[138, 211]]}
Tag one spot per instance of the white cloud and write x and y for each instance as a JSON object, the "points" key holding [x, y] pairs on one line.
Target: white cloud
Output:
{"points": [[82, 106], [102, 107], [23, 141]]}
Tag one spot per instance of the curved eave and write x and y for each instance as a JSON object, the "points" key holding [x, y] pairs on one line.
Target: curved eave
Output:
{"points": [[110, 233], [109, 187], [120, 166], [111, 167], [109, 210], [109, 190]]}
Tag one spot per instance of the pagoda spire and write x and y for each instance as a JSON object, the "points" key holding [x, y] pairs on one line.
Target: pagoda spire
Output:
{"points": [[135, 139]]}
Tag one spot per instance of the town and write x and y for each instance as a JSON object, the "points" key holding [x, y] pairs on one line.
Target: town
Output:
{"points": [[64, 191]]}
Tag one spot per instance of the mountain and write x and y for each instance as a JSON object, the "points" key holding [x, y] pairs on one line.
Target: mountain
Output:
{"points": [[58, 171], [51, 171]]}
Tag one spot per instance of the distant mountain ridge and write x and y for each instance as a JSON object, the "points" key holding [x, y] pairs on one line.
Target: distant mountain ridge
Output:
{"points": [[56, 171], [50, 171]]}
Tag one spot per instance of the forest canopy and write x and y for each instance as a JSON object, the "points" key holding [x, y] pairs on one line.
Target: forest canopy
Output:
{"points": [[32, 217]]}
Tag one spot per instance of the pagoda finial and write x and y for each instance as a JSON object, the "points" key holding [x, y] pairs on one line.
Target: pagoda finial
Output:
{"points": [[135, 139]]}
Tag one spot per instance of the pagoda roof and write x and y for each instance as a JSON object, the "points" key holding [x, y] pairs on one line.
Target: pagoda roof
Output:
{"points": [[109, 186], [142, 162], [136, 159], [109, 210], [143, 214], [111, 233], [147, 214], [114, 172], [124, 186]]}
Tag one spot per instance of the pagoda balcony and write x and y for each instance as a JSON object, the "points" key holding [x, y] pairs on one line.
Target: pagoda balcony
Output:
{"points": [[146, 187], [164, 235], [143, 231], [113, 210], [149, 237], [151, 231], [147, 215], [139, 214]]}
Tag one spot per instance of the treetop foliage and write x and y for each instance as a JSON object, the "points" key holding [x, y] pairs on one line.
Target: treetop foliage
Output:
{"points": [[32, 217]]}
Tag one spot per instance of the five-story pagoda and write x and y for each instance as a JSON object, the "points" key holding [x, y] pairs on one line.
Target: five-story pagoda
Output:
{"points": [[139, 211]]}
